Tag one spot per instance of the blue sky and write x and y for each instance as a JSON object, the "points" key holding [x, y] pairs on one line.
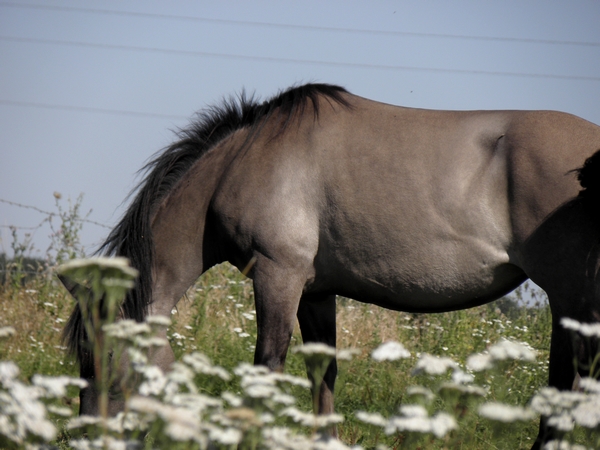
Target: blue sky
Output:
{"points": [[89, 90]]}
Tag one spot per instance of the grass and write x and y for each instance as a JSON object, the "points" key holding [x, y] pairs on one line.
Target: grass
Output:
{"points": [[217, 318]]}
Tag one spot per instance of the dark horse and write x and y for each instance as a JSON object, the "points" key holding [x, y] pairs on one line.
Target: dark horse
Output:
{"points": [[319, 192]]}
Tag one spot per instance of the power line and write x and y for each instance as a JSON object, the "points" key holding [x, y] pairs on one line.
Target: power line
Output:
{"points": [[90, 109], [296, 27], [279, 60]]}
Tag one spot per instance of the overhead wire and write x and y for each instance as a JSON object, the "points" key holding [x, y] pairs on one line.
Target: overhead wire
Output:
{"points": [[290, 60], [100, 11]]}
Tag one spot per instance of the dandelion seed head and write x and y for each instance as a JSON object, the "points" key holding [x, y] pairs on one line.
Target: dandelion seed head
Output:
{"points": [[390, 351]]}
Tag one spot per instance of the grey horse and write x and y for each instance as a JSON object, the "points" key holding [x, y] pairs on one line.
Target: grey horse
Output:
{"points": [[318, 192]]}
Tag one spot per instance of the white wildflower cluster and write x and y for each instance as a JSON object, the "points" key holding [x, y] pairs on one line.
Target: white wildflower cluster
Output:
{"points": [[415, 418], [6, 332], [586, 329], [434, 365], [501, 351], [505, 413], [390, 351], [23, 415], [565, 409]]}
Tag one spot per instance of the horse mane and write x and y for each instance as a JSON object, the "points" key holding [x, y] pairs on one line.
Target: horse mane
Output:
{"points": [[132, 236]]}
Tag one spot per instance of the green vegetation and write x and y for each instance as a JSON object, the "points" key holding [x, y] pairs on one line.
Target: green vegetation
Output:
{"points": [[383, 403]]}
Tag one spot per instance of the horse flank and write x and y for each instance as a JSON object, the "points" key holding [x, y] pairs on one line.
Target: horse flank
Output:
{"points": [[132, 236]]}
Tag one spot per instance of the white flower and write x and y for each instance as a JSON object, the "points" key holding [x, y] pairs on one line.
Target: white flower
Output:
{"points": [[245, 369], [390, 351], [158, 320], [126, 329], [442, 423], [8, 372], [479, 362], [587, 413], [371, 418], [505, 413], [433, 365], [155, 380], [229, 436], [315, 348], [549, 400], [55, 387], [563, 445], [202, 365], [346, 354], [118, 263], [422, 391], [6, 332], [590, 385], [415, 418], [83, 421], [505, 349], [586, 329], [311, 420], [261, 391], [562, 422], [59, 410], [460, 377]]}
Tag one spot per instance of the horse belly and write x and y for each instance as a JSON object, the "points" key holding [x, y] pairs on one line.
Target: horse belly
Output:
{"points": [[440, 276]]}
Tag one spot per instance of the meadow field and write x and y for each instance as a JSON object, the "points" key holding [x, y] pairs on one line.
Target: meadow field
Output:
{"points": [[471, 379]]}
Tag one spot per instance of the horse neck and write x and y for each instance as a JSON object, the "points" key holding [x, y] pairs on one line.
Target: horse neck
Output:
{"points": [[185, 239]]}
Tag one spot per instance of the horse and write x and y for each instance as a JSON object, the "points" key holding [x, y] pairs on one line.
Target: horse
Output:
{"points": [[317, 192]]}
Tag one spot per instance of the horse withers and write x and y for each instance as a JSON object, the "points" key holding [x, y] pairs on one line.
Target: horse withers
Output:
{"points": [[327, 193]]}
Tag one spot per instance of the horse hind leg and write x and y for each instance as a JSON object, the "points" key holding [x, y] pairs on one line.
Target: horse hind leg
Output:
{"points": [[316, 316]]}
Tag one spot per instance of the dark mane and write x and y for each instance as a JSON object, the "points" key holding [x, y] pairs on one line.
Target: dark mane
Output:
{"points": [[132, 237]]}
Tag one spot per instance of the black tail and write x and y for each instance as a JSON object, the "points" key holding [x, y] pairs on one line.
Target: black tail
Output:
{"points": [[589, 178]]}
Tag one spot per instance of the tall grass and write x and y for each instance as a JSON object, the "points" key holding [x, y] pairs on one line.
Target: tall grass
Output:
{"points": [[216, 318]]}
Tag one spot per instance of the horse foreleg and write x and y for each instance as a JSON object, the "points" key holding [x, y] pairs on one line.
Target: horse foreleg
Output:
{"points": [[561, 374], [277, 292], [316, 315]]}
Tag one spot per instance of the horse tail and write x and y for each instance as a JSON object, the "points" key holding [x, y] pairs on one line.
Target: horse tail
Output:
{"points": [[589, 178]]}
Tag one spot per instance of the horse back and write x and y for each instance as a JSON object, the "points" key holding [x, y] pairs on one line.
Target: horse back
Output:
{"points": [[383, 201]]}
